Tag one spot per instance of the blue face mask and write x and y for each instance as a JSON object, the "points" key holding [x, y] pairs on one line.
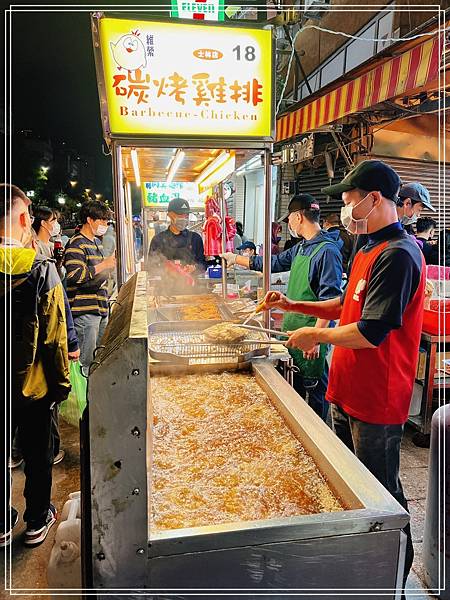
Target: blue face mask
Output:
{"points": [[278, 238]]}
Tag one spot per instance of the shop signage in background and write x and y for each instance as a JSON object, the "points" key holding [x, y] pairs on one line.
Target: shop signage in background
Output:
{"points": [[201, 10], [181, 79], [300, 151], [158, 194]]}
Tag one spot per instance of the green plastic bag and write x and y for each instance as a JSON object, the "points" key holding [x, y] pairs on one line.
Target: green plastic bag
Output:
{"points": [[72, 409]]}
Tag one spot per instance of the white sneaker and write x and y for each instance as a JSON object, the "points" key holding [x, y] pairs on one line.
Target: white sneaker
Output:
{"points": [[35, 535], [14, 462], [6, 538]]}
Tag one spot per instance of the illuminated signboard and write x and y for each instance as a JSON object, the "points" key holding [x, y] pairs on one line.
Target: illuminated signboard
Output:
{"points": [[201, 10], [181, 79], [158, 194]]}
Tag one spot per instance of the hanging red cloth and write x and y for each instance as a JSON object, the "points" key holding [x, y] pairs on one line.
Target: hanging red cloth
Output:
{"points": [[213, 228], [212, 231], [230, 225]]}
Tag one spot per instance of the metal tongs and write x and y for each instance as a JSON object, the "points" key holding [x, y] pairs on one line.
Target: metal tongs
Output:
{"points": [[259, 308], [269, 331]]}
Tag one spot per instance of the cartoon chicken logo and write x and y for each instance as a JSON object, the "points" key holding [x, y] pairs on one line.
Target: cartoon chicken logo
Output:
{"points": [[129, 52]]}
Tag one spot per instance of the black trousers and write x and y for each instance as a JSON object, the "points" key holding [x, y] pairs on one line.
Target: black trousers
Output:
{"points": [[33, 422], [378, 448]]}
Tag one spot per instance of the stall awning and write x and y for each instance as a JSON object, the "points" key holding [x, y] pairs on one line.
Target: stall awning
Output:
{"points": [[404, 73]]}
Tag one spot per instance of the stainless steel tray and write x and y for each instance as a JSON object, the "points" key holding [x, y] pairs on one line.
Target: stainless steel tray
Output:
{"points": [[172, 312], [183, 342]]}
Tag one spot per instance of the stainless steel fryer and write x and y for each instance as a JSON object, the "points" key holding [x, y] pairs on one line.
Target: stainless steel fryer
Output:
{"points": [[353, 552]]}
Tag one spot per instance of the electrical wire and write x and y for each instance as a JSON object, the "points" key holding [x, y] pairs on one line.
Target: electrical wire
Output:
{"points": [[363, 39], [347, 35]]}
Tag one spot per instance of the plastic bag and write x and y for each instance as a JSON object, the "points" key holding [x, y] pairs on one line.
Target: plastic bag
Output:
{"points": [[72, 409]]}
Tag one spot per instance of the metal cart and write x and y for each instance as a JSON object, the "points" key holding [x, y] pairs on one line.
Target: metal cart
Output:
{"points": [[361, 548]]}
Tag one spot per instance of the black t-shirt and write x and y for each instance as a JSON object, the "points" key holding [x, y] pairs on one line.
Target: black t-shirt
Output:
{"points": [[187, 247], [393, 282]]}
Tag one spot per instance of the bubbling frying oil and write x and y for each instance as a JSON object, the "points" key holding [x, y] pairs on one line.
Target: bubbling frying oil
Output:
{"points": [[222, 453]]}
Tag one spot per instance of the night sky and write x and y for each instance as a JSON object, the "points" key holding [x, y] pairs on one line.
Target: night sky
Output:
{"points": [[54, 85], [53, 74]]}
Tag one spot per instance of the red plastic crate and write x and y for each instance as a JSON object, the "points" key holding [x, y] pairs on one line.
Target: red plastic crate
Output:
{"points": [[436, 319], [437, 272]]}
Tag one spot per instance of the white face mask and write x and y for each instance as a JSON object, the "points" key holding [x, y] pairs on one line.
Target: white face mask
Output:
{"points": [[56, 229], [405, 220], [292, 232], [358, 226], [101, 230], [181, 223]]}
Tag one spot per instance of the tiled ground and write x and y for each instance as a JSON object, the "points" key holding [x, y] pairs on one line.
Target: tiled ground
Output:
{"points": [[29, 566]]}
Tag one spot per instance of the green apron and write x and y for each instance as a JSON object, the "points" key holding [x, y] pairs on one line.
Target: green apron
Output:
{"points": [[300, 289]]}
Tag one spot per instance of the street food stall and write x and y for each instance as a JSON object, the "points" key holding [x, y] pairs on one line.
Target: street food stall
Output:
{"points": [[206, 471]]}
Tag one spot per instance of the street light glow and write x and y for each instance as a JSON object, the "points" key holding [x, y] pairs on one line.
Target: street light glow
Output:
{"points": [[98, 196], [73, 183], [78, 204], [61, 200], [44, 169], [30, 193]]}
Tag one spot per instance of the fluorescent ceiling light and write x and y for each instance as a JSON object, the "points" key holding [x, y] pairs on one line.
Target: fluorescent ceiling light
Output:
{"points": [[213, 166], [179, 157], [174, 151], [252, 164], [221, 173], [134, 160]]}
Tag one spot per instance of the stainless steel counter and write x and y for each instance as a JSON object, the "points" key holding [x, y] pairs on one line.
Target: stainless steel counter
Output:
{"points": [[357, 549]]}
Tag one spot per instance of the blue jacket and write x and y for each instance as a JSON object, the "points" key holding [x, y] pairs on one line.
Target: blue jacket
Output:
{"points": [[72, 338], [325, 272]]}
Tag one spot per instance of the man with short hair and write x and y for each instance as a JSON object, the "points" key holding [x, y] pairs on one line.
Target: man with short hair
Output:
{"points": [[87, 274], [177, 243], [380, 321], [412, 199], [331, 223], [425, 228], [315, 268], [32, 299], [247, 249]]}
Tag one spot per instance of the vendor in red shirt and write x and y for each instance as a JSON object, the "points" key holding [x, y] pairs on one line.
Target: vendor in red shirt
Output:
{"points": [[380, 321]]}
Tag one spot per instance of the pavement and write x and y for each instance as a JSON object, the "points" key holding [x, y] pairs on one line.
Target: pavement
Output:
{"points": [[414, 477], [29, 566]]}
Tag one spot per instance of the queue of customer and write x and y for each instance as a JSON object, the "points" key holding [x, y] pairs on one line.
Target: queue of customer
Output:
{"points": [[44, 337]]}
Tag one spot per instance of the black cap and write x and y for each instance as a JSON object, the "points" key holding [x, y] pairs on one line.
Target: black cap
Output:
{"points": [[300, 202], [246, 246], [417, 192], [179, 206], [370, 176]]}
